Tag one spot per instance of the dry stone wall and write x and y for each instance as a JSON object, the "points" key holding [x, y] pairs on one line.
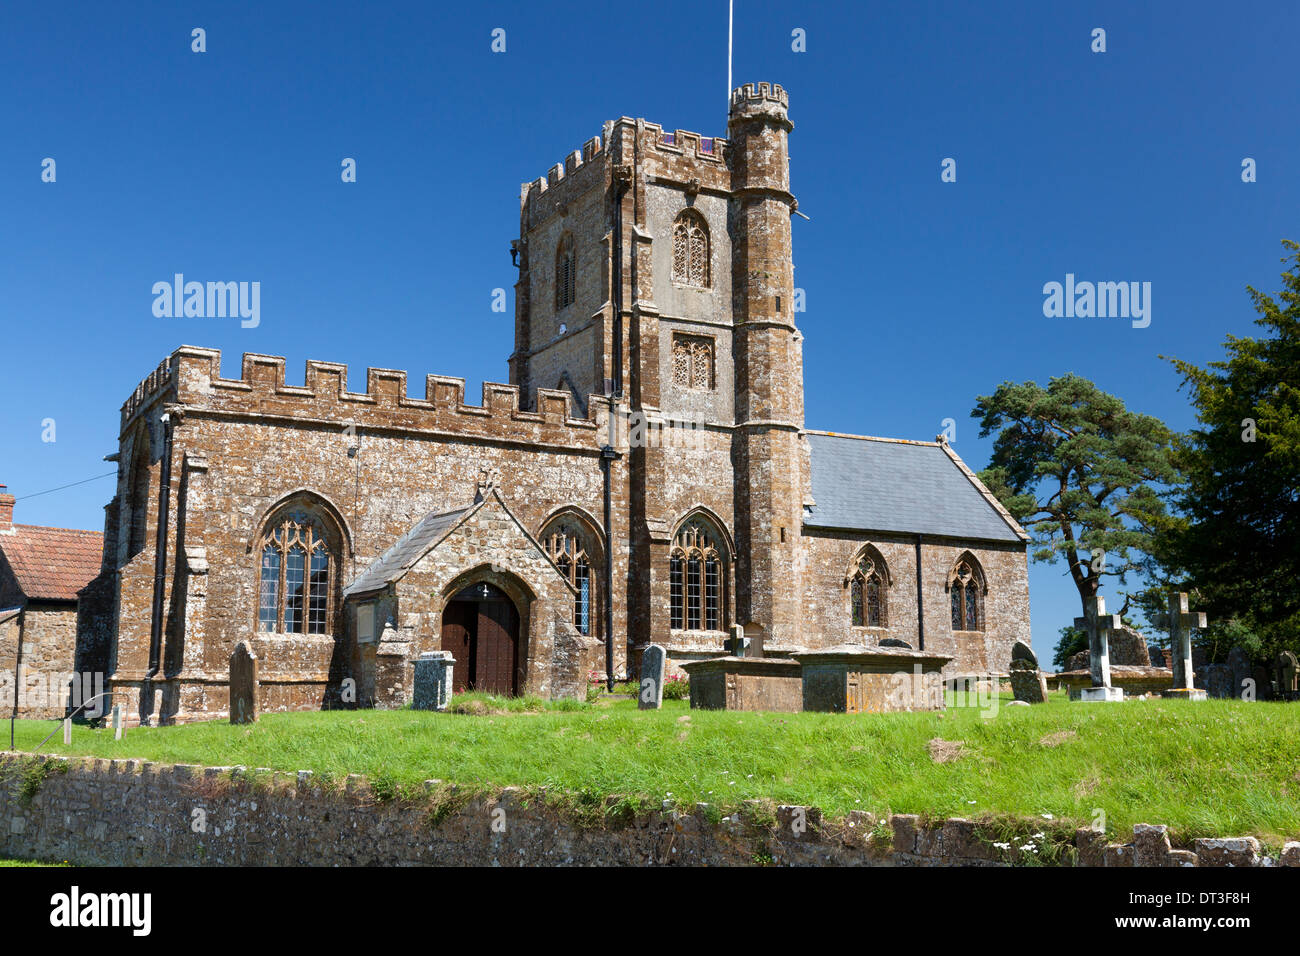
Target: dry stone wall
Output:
{"points": [[139, 813]]}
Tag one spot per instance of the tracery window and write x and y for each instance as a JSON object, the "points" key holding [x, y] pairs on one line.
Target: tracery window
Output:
{"points": [[565, 544], [693, 361], [297, 569], [867, 593], [566, 273], [966, 593], [691, 249], [696, 579]]}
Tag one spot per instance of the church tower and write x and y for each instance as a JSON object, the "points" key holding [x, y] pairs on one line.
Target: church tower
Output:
{"points": [[655, 273]]}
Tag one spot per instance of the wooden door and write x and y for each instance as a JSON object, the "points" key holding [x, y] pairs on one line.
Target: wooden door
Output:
{"points": [[496, 644], [458, 621]]}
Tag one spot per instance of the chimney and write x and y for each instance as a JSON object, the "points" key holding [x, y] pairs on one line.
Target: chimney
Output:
{"points": [[6, 510]]}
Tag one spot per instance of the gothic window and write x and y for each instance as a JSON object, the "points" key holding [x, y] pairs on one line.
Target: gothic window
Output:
{"points": [[868, 582], [566, 274], [693, 361], [966, 592], [691, 250], [297, 577], [867, 591], [696, 579], [566, 544]]}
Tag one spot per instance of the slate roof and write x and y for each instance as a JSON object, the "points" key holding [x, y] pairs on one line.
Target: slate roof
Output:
{"points": [[52, 564], [880, 484], [407, 550]]}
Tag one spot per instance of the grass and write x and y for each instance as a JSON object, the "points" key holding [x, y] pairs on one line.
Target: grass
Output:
{"points": [[1214, 768]]}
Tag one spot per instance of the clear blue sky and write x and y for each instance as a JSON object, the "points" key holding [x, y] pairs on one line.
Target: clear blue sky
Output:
{"points": [[921, 294]]}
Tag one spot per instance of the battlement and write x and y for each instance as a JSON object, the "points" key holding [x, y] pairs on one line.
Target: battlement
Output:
{"points": [[757, 98], [152, 384], [708, 149], [261, 393], [571, 164]]}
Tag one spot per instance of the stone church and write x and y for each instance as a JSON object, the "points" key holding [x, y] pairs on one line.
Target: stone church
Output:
{"points": [[646, 476]]}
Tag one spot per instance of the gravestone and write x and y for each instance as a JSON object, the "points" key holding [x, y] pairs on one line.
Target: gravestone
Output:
{"points": [[754, 640], [737, 645], [1218, 681], [1263, 683], [1239, 671], [1027, 681], [1020, 651], [1181, 622], [1288, 672], [243, 685], [117, 721], [1097, 624], [433, 672], [652, 678]]}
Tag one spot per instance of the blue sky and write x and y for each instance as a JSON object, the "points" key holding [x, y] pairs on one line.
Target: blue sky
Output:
{"points": [[921, 295]]}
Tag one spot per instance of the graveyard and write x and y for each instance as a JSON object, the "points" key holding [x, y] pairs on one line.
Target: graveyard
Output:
{"points": [[1205, 768]]}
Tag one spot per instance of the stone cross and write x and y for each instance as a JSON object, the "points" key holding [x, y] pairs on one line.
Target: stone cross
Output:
{"points": [[1098, 625], [1181, 622], [651, 696]]}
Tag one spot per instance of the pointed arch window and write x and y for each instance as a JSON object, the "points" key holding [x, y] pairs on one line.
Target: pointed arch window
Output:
{"points": [[567, 544], [966, 591], [693, 361], [566, 273], [691, 249], [297, 577], [867, 592], [697, 579]]}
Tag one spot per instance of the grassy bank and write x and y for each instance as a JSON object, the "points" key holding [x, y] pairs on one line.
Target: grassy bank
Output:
{"points": [[1218, 768]]}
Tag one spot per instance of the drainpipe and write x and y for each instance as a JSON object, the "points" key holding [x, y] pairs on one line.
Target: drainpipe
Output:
{"points": [[160, 551], [607, 456], [920, 601]]}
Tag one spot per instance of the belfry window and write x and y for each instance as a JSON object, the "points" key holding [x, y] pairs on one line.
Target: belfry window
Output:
{"points": [[691, 249], [566, 273], [295, 594], [696, 579], [693, 361]]}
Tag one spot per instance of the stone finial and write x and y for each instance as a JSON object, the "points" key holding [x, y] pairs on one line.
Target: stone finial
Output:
{"points": [[489, 477]]}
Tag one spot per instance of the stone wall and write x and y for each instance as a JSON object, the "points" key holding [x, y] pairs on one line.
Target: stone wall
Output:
{"points": [[48, 635], [831, 556], [130, 812]]}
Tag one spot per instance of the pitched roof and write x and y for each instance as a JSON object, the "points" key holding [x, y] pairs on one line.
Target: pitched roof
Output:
{"points": [[883, 484], [407, 550], [52, 564]]}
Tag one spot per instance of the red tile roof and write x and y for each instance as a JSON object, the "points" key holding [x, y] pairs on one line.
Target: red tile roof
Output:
{"points": [[52, 564]]}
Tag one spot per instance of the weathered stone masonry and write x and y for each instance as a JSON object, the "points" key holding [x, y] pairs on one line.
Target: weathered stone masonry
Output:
{"points": [[131, 812], [654, 313]]}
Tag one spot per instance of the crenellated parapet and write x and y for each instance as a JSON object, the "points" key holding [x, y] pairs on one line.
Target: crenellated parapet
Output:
{"points": [[261, 393], [755, 99], [149, 388], [565, 181]]}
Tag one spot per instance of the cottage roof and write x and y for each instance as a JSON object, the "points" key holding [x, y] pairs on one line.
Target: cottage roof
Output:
{"points": [[51, 564]]}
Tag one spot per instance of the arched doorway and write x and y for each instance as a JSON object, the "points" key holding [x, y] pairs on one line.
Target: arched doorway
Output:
{"points": [[480, 626]]}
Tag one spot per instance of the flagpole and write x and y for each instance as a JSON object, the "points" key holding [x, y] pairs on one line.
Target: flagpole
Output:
{"points": [[731, 12]]}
